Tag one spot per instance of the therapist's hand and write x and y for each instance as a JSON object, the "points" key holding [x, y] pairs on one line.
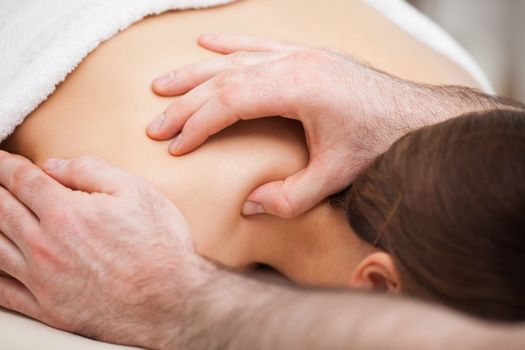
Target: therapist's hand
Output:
{"points": [[110, 258], [339, 102], [350, 112]]}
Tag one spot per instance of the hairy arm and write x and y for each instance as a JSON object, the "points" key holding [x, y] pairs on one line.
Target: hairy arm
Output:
{"points": [[235, 312], [113, 260], [402, 106]]}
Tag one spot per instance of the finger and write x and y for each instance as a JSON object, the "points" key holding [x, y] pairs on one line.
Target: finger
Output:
{"points": [[183, 107], [293, 196], [231, 104], [88, 174], [11, 260], [186, 78], [17, 223], [15, 296], [28, 183], [175, 116], [232, 43]]}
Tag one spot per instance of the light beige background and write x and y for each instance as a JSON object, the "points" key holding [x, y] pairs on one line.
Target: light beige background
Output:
{"points": [[492, 31]]}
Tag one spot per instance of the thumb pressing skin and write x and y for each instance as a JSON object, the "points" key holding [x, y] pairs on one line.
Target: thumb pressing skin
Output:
{"points": [[87, 174], [286, 198]]}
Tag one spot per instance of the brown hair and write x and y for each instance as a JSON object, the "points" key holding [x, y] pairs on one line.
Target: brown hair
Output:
{"points": [[448, 203]]}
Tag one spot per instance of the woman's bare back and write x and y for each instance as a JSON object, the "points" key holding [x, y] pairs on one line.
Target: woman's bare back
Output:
{"points": [[104, 106]]}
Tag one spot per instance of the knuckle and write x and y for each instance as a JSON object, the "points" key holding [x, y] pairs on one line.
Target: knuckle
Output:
{"points": [[139, 187], [83, 163], [11, 217], [57, 215], [228, 95], [284, 207], [311, 56], [239, 58], [26, 176], [223, 78], [50, 261], [5, 205], [55, 221], [40, 250]]}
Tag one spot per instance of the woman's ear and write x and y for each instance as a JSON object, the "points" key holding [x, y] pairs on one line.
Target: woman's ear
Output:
{"points": [[377, 272]]}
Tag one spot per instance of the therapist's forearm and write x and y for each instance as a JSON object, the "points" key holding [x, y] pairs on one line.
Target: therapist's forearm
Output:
{"points": [[401, 106], [234, 312]]}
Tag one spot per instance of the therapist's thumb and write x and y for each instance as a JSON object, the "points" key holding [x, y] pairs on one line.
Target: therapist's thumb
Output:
{"points": [[290, 197], [87, 174]]}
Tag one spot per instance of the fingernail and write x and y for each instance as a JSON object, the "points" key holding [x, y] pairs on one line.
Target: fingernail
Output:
{"points": [[156, 124], [175, 143], [164, 80], [209, 37], [53, 163], [252, 208]]}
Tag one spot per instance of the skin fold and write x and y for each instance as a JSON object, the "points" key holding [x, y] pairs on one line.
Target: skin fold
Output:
{"points": [[104, 106]]}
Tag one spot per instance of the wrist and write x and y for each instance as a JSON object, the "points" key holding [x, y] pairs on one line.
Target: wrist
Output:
{"points": [[221, 313], [186, 301], [414, 105], [395, 107]]}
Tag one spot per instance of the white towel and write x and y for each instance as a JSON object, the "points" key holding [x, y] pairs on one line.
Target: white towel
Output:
{"points": [[42, 41]]}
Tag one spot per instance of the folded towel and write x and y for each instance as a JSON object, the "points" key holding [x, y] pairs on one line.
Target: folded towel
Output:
{"points": [[41, 42]]}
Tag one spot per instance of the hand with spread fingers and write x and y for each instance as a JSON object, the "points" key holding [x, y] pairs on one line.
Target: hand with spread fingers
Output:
{"points": [[348, 111], [109, 257]]}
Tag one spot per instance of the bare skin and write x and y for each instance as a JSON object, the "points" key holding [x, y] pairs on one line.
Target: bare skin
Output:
{"points": [[113, 260], [105, 105], [286, 311]]}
